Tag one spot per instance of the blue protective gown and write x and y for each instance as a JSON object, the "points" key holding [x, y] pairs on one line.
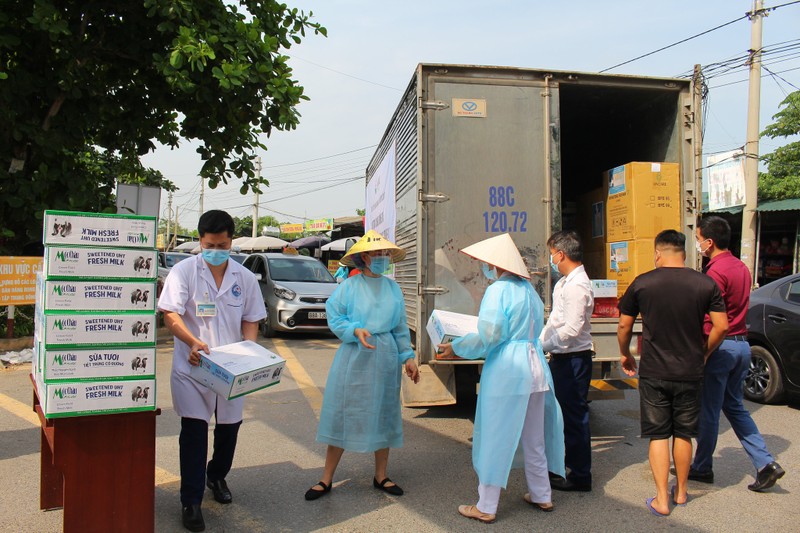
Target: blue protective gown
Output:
{"points": [[505, 336], [361, 405]]}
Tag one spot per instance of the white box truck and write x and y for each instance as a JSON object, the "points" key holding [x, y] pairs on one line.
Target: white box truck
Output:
{"points": [[475, 151]]}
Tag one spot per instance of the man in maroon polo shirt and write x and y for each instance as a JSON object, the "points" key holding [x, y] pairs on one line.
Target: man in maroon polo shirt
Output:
{"points": [[726, 368]]}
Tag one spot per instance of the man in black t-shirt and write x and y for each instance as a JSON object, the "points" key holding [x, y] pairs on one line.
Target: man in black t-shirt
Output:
{"points": [[673, 301]]}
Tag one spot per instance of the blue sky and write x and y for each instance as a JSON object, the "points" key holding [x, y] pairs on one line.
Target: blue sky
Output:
{"points": [[355, 78]]}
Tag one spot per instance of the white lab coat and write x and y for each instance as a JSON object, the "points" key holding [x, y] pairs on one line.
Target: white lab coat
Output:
{"points": [[238, 299]]}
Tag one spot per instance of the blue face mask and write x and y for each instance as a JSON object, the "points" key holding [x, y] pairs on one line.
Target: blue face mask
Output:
{"points": [[216, 257], [489, 272], [554, 266], [379, 264]]}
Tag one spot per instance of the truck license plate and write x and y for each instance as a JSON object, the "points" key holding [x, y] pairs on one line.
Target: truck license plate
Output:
{"points": [[316, 314]]}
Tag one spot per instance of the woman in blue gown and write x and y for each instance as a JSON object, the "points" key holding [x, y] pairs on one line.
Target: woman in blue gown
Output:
{"points": [[361, 404], [517, 409]]}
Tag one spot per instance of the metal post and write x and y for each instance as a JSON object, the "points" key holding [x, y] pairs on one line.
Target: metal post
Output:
{"points": [[548, 191], [169, 220], [749, 222], [255, 205], [10, 322]]}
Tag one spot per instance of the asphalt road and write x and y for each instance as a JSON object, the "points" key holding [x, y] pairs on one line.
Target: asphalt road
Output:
{"points": [[277, 460]]}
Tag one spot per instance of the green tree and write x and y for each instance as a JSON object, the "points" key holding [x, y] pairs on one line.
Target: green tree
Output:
{"points": [[361, 212], [88, 86], [782, 179], [244, 226]]}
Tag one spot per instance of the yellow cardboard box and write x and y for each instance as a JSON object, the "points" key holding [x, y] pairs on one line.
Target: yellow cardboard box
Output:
{"points": [[643, 199], [628, 259]]}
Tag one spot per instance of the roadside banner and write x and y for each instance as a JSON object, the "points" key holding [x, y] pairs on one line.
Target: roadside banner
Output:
{"points": [[381, 197], [291, 229], [18, 280], [726, 187], [321, 224]]}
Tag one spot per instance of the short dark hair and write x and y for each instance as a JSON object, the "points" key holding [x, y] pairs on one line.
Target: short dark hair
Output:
{"points": [[670, 238], [716, 229], [568, 242], [215, 221]]}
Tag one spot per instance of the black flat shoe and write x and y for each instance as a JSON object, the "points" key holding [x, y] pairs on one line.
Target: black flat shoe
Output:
{"points": [[567, 485], [312, 494], [394, 490], [696, 475], [193, 518], [221, 491], [767, 477]]}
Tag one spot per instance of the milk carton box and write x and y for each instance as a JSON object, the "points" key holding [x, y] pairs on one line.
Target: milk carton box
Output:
{"points": [[604, 288], [83, 398], [93, 364], [92, 329], [98, 229], [75, 262], [237, 369], [95, 295], [444, 326]]}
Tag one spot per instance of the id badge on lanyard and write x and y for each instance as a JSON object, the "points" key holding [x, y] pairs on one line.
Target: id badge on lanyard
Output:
{"points": [[206, 308]]}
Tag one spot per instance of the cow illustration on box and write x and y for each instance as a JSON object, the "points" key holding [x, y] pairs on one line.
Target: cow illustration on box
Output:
{"points": [[63, 229], [143, 264], [140, 328], [139, 296], [139, 393], [139, 363]]}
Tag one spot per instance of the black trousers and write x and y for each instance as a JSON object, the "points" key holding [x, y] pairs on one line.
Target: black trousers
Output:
{"points": [[193, 444]]}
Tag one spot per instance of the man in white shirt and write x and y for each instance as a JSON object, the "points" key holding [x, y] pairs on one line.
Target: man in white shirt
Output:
{"points": [[568, 338], [207, 301]]}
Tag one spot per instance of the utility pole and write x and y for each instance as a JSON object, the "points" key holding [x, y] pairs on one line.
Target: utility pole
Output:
{"points": [[749, 220], [202, 194], [175, 236], [169, 219], [255, 205]]}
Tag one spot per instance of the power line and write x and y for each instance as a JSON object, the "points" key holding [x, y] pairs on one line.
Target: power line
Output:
{"points": [[775, 75], [676, 43], [345, 74], [746, 15], [743, 81], [325, 157]]}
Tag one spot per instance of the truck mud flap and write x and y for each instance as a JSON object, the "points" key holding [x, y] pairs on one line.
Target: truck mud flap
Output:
{"points": [[437, 386]]}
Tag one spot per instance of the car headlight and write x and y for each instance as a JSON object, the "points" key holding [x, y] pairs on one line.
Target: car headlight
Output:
{"points": [[284, 293]]}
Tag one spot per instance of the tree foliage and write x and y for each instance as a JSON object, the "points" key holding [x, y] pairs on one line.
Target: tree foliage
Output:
{"points": [[244, 226], [782, 179], [87, 87]]}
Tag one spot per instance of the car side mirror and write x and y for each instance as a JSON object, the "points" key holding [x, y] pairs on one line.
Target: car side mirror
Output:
{"points": [[257, 275]]}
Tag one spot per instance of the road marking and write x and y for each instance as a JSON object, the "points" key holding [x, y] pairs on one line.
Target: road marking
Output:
{"points": [[25, 412], [22, 410], [301, 377]]}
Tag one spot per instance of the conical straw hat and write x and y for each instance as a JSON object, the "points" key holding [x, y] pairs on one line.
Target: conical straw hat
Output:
{"points": [[499, 251], [373, 241]]}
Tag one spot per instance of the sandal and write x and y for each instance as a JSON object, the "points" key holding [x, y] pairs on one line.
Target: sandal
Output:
{"points": [[472, 511], [312, 494], [546, 507], [394, 490]]}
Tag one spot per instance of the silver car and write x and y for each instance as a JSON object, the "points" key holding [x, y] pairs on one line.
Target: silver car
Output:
{"points": [[295, 290]]}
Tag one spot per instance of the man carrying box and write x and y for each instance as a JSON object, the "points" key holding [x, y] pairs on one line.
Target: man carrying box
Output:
{"points": [[208, 301]]}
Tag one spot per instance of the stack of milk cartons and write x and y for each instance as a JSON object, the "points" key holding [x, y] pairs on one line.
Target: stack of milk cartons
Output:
{"points": [[95, 326]]}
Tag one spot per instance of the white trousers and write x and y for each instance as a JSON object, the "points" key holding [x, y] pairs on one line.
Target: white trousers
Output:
{"points": [[535, 460]]}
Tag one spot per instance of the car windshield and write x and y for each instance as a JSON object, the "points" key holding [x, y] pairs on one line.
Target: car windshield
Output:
{"points": [[174, 259], [239, 258], [281, 269]]}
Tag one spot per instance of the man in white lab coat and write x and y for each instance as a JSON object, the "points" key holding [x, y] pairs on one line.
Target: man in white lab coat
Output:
{"points": [[207, 301]]}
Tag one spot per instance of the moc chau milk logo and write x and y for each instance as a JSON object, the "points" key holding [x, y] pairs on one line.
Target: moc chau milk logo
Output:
{"points": [[68, 256], [64, 289], [60, 359], [65, 323], [65, 393], [137, 238]]}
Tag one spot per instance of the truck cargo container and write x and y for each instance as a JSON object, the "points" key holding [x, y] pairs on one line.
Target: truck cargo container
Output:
{"points": [[475, 151]]}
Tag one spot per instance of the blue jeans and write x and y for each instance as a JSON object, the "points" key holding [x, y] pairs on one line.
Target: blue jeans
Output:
{"points": [[571, 377], [723, 389]]}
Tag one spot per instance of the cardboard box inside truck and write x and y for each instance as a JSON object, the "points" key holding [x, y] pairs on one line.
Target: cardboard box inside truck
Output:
{"points": [[643, 199], [628, 259]]}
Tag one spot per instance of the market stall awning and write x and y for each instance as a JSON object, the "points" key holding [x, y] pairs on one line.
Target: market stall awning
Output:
{"points": [[790, 204]]}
